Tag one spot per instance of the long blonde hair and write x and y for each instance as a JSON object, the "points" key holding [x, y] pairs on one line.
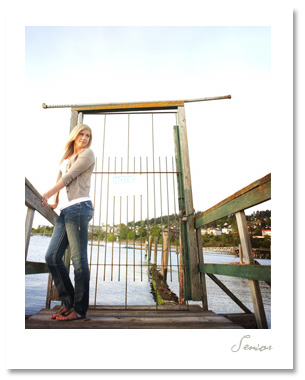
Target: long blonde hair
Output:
{"points": [[69, 147]]}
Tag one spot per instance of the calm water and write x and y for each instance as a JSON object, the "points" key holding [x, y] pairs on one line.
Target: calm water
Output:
{"points": [[113, 289]]}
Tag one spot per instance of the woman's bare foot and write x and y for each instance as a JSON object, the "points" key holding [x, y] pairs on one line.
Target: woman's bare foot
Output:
{"points": [[71, 315], [61, 311]]}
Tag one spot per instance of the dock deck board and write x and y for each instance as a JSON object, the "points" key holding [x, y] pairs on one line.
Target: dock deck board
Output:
{"points": [[138, 317]]}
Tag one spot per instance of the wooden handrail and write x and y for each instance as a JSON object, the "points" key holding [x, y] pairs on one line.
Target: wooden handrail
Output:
{"points": [[257, 192], [33, 200], [250, 272]]}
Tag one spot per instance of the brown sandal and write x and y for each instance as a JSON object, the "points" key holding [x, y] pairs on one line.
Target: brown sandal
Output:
{"points": [[61, 311]]}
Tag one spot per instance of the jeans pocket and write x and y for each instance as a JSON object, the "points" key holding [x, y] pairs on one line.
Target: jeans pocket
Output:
{"points": [[90, 209]]}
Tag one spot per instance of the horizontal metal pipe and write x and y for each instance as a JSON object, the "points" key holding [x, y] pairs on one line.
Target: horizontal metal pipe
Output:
{"points": [[132, 172], [154, 104]]}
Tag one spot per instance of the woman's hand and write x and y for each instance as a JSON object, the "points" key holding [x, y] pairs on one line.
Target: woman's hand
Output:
{"points": [[44, 200], [45, 197]]}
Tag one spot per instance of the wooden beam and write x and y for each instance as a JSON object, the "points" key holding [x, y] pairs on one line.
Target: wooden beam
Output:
{"points": [[33, 200], [117, 107], [255, 291], [28, 228], [250, 272], [251, 195], [188, 219], [32, 267], [73, 119], [150, 105], [202, 274], [229, 293]]}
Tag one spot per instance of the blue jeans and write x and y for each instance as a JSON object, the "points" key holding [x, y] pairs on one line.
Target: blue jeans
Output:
{"points": [[71, 229]]}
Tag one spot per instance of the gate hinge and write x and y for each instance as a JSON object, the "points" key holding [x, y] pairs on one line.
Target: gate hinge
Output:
{"points": [[184, 217]]}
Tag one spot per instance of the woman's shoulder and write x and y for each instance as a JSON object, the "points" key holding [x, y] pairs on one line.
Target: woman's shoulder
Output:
{"points": [[87, 153]]}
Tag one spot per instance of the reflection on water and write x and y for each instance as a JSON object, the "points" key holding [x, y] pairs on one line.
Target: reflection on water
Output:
{"points": [[108, 285]]}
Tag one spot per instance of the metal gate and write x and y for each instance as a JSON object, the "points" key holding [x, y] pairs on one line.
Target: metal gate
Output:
{"points": [[134, 236], [142, 235]]}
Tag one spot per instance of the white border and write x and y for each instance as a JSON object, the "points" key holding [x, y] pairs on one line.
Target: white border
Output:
{"points": [[27, 349]]}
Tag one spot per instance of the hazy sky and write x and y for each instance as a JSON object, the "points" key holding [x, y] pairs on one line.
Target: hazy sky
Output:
{"points": [[229, 140]]}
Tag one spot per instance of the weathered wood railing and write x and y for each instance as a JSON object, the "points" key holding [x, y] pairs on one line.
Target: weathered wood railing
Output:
{"points": [[33, 203], [253, 194]]}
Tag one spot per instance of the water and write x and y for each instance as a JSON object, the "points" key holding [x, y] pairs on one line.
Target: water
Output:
{"points": [[111, 286]]}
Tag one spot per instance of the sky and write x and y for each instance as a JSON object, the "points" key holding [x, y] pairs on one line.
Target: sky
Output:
{"points": [[229, 140]]}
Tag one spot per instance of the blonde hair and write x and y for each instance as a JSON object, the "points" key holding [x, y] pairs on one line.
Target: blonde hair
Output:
{"points": [[69, 147]]}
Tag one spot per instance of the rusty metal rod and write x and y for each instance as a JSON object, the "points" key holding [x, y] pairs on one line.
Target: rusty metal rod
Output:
{"points": [[45, 106], [140, 172]]}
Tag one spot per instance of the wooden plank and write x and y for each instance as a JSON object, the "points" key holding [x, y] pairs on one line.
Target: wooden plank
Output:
{"points": [[117, 107], [251, 195], [131, 106], [33, 200], [256, 295], [229, 293], [28, 228], [134, 319], [32, 267], [250, 272], [202, 274]]}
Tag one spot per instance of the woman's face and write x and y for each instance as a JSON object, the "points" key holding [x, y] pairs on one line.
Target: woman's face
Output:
{"points": [[82, 140]]}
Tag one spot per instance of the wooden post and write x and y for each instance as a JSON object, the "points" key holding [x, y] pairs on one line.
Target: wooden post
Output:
{"points": [[80, 118], [188, 234], [181, 279], [52, 294], [240, 254], [73, 119], [257, 301], [28, 228], [202, 275], [165, 254]]}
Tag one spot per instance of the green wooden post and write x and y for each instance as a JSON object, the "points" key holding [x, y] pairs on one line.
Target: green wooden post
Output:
{"points": [[193, 286], [255, 291]]}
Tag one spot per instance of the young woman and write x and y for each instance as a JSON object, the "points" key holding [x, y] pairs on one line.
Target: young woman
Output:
{"points": [[71, 227]]}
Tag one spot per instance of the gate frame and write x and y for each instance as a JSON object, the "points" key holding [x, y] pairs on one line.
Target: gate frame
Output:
{"points": [[192, 255]]}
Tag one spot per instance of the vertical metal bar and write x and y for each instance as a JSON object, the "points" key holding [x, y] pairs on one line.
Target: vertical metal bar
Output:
{"points": [[128, 143], [141, 217], [154, 190], [100, 214], [107, 207], [141, 233], [120, 244], [112, 239], [92, 225], [177, 223], [134, 239], [168, 222], [148, 229], [126, 279], [162, 250], [113, 218]]}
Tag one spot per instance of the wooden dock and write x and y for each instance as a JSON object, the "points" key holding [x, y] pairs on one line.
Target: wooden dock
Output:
{"points": [[144, 317]]}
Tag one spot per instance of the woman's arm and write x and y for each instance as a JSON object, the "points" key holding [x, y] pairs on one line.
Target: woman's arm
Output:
{"points": [[55, 189]]}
